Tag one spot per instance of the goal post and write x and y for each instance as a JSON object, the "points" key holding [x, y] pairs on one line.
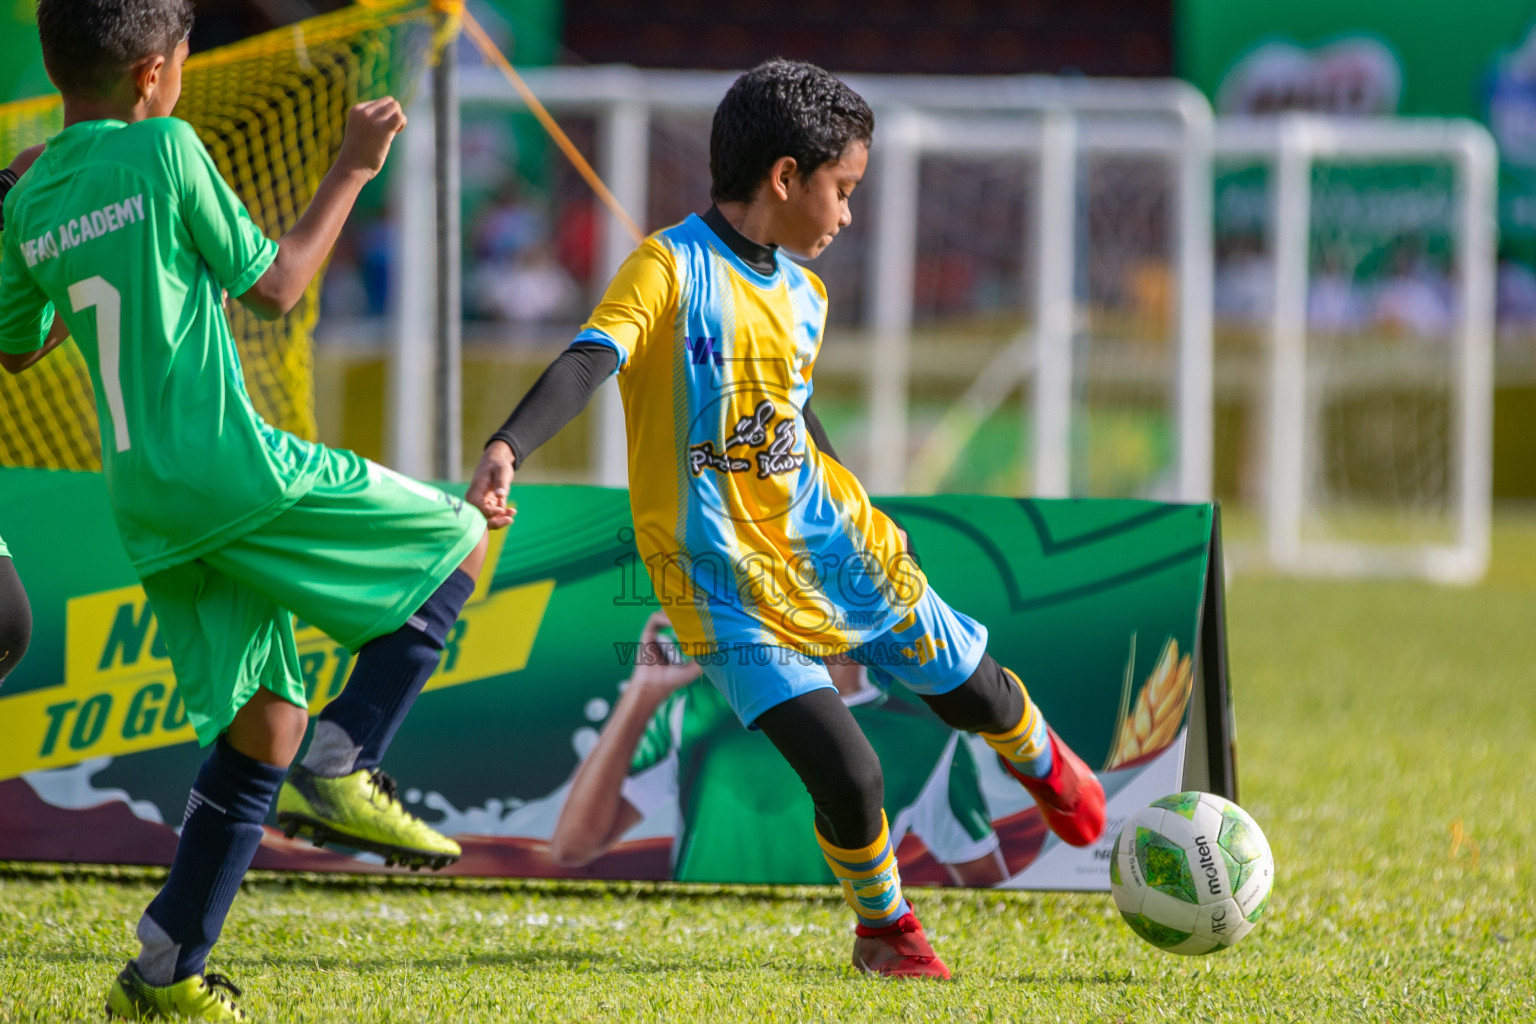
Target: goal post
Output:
{"points": [[1050, 356], [1372, 357]]}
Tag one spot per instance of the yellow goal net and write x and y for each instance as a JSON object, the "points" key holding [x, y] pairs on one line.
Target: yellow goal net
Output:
{"points": [[271, 110]]}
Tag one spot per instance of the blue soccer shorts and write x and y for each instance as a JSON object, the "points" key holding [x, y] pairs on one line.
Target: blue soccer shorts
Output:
{"points": [[931, 651]]}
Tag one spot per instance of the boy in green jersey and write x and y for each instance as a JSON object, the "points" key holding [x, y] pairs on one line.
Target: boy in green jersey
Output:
{"points": [[126, 230]]}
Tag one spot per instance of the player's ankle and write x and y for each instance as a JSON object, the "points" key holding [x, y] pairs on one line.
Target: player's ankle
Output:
{"points": [[907, 922], [332, 753]]}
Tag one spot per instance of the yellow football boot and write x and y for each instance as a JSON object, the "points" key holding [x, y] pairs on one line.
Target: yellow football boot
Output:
{"points": [[200, 997], [360, 810]]}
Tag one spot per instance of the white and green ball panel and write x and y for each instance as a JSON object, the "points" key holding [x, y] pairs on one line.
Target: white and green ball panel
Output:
{"points": [[1253, 897], [1250, 864], [1189, 930], [1183, 804], [1176, 855]]}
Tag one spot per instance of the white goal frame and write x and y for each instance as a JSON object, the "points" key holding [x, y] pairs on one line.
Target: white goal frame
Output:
{"points": [[1291, 145], [1054, 120], [1056, 138]]}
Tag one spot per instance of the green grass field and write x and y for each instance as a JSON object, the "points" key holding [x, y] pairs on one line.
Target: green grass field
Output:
{"points": [[1372, 717]]}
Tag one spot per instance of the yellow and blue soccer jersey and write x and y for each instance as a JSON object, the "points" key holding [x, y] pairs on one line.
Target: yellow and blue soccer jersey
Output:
{"points": [[750, 535]]}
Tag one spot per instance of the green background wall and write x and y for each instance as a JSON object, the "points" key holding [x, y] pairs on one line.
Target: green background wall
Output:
{"points": [[1445, 47]]}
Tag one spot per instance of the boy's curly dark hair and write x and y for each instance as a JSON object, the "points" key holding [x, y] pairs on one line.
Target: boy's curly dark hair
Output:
{"points": [[87, 44], [781, 108]]}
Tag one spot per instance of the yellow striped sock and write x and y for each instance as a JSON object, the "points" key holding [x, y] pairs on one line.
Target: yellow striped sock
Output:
{"points": [[1026, 745], [870, 879]]}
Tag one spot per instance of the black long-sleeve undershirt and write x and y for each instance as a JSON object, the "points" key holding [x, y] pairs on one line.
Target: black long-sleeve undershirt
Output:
{"points": [[561, 392], [568, 384], [564, 389]]}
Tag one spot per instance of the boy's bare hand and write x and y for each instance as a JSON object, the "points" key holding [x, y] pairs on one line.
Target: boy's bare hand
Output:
{"points": [[371, 127], [488, 489]]}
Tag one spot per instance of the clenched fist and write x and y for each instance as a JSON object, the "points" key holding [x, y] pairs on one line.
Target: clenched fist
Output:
{"points": [[371, 127]]}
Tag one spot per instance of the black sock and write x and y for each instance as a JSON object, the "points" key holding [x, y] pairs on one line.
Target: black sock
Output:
{"points": [[356, 728], [219, 836]]}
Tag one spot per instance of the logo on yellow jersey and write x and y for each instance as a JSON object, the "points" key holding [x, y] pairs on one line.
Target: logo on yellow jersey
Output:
{"points": [[776, 458], [703, 351]]}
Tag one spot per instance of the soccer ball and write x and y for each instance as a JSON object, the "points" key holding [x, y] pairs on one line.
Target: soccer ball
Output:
{"points": [[1191, 873]]}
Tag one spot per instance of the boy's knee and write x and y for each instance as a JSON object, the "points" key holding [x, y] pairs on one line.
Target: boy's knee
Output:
{"points": [[869, 778], [15, 618], [14, 638], [988, 701], [852, 801], [268, 729], [291, 723]]}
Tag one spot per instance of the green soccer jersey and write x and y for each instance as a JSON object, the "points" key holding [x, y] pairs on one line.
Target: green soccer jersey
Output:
{"points": [[130, 232], [745, 815]]}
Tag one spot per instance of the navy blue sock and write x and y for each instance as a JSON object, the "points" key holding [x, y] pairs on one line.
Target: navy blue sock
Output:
{"points": [[219, 836], [355, 729]]}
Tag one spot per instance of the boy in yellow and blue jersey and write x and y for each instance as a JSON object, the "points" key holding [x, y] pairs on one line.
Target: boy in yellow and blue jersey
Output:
{"points": [[764, 550], [124, 232]]}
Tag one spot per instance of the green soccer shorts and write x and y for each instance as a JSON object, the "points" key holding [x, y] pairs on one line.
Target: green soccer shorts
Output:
{"points": [[355, 556]]}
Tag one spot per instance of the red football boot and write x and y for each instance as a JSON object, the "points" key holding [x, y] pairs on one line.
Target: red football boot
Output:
{"points": [[898, 950], [1070, 798]]}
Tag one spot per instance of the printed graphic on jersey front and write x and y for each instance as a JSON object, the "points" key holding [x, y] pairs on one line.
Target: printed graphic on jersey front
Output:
{"points": [[773, 458]]}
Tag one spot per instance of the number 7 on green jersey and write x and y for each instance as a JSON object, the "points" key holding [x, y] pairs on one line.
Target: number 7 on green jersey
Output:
{"points": [[95, 291]]}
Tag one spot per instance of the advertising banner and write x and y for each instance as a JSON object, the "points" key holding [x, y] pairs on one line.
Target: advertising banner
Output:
{"points": [[1109, 610], [1412, 58]]}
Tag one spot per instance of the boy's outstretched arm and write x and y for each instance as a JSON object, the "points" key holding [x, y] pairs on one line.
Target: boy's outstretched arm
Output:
{"points": [[10, 361], [641, 295], [371, 127], [11, 173], [561, 392]]}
